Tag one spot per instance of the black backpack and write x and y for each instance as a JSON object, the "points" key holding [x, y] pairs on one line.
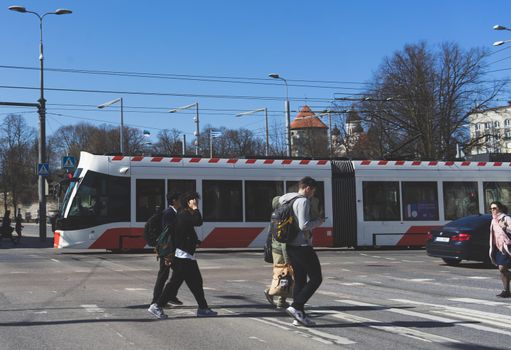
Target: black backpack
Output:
{"points": [[164, 247], [153, 228], [284, 225]]}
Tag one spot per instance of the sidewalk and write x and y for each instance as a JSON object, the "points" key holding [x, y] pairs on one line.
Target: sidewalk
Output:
{"points": [[29, 238]]}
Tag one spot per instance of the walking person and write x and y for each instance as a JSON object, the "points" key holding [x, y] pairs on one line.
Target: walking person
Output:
{"points": [[500, 242], [304, 259], [6, 229], [279, 255], [18, 226], [184, 264], [168, 220]]}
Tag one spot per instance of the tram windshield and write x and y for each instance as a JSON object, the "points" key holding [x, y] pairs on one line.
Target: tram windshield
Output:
{"points": [[69, 190], [99, 199]]}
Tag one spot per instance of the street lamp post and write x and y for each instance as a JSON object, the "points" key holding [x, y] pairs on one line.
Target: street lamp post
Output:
{"points": [[265, 110], [121, 131], [42, 116], [288, 113], [500, 42], [195, 119]]}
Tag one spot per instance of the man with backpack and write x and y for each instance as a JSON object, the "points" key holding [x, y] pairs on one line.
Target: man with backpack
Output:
{"points": [[304, 259], [168, 218]]}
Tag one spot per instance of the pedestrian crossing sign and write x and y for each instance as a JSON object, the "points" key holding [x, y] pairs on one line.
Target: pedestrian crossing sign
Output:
{"points": [[68, 162], [43, 169]]}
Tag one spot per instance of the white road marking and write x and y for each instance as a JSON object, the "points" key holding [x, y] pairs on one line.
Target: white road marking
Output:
{"points": [[55, 260], [498, 320], [235, 281], [345, 270], [258, 339], [479, 277], [352, 284], [324, 264], [331, 337], [421, 279], [403, 331], [208, 288], [431, 317], [40, 312], [17, 272], [389, 258], [135, 289], [92, 308], [478, 301]]}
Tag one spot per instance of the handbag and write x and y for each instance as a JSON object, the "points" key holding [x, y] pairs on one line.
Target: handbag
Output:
{"points": [[283, 281]]}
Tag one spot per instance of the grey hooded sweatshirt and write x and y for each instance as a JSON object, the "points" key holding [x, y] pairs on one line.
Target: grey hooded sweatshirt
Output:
{"points": [[301, 209]]}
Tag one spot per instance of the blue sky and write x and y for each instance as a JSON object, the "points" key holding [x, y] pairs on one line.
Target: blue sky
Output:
{"points": [[322, 40]]}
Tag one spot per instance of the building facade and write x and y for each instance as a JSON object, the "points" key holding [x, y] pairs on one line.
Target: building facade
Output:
{"points": [[490, 131], [309, 135]]}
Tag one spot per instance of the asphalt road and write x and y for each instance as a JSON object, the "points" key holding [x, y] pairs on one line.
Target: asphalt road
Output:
{"points": [[368, 300]]}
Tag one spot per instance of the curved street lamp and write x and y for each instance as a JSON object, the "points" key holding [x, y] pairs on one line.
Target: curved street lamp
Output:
{"points": [[195, 119], [109, 103], [42, 115], [265, 110], [500, 42], [288, 113]]}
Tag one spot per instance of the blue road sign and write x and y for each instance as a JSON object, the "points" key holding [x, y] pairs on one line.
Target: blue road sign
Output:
{"points": [[68, 162], [43, 169]]}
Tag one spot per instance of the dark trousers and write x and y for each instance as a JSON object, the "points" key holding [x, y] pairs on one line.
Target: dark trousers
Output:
{"points": [[186, 270], [305, 264], [163, 275]]}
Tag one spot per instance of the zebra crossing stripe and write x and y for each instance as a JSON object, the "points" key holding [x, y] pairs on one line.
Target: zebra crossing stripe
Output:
{"points": [[478, 301], [403, 331], [431, 317], [499, 320]]}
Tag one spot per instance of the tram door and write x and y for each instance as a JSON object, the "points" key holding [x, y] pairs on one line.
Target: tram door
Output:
{"points": [[344, 204]]}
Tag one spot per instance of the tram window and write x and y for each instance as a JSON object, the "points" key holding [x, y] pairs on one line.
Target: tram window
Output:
{"points": [[258, 199], [381, 201], [317, 202], [222, 200], [180, 186], [119, 198], [496, 191], [150, 194], [420, 201], [460, 199], [101, 199]]}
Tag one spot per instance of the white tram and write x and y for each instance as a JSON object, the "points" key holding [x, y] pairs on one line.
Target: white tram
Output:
{"points": [[366, 203]]}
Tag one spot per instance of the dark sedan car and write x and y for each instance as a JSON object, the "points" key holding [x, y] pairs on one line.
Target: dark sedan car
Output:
{"points": [[466, 238]]}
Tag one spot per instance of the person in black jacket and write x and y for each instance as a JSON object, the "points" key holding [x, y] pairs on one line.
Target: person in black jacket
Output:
{"points": [[184, 264], [168, 219]]}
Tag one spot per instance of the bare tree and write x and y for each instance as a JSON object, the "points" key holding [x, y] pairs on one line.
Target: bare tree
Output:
{"points": [[421, 99], [169, 142], [18, 160]]}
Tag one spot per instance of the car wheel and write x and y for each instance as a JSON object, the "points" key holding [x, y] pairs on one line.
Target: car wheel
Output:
{"points": [[451, 261]]}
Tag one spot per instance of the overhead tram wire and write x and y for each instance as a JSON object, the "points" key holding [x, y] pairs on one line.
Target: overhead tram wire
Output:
{"points": [[142, 93], [225, 79]]}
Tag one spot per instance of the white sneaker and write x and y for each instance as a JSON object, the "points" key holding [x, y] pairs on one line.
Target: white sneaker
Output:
{"points": [[296, 323], [299, 317], [157, 311]]}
